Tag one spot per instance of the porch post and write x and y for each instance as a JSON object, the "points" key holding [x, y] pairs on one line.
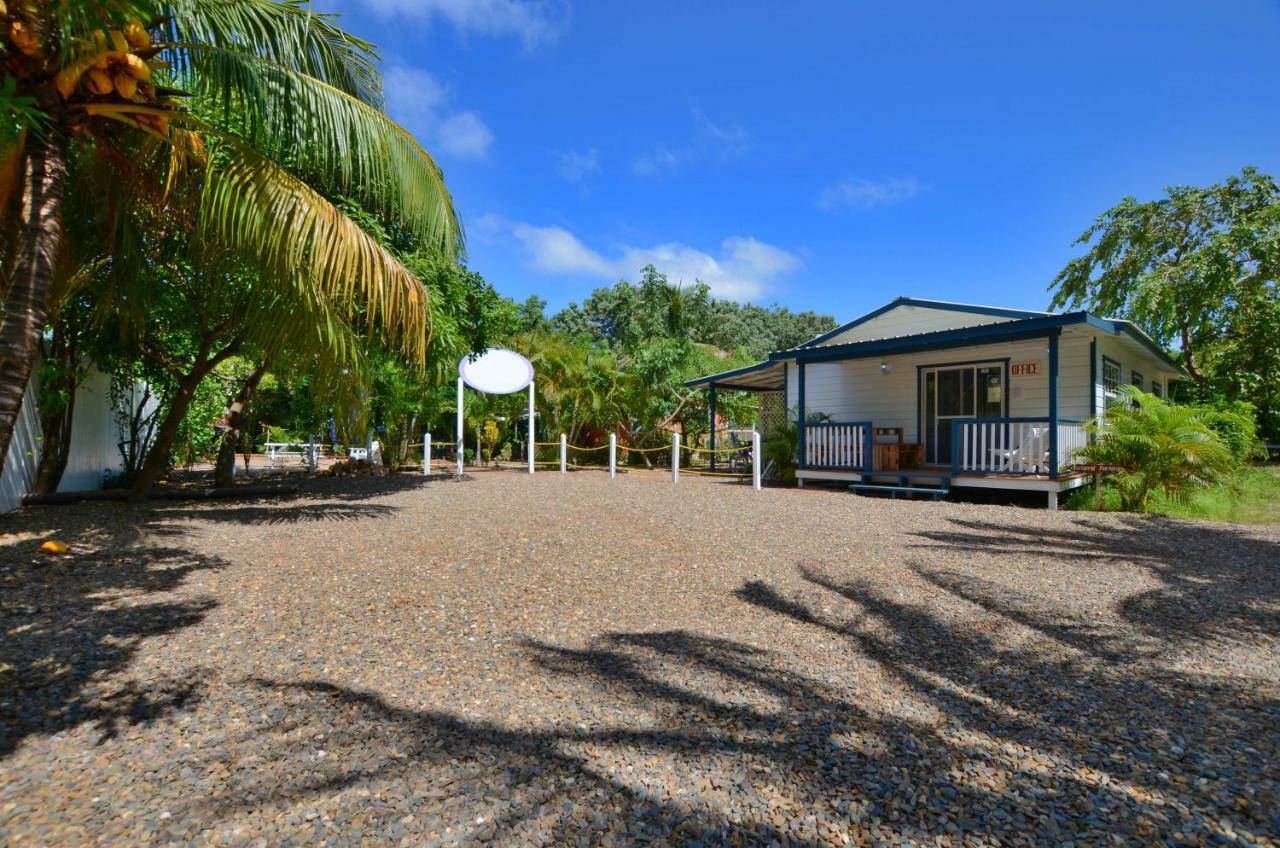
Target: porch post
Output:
{"points": [[1053, 406], [712, 404], [800, 415]]}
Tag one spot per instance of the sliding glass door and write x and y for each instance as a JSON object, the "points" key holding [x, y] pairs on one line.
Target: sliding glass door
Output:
{"points": [[957, 391]]}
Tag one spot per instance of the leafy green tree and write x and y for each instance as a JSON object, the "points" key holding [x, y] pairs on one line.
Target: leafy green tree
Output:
{"points": [[1162, 447], [97, 107], [1198, 269]]}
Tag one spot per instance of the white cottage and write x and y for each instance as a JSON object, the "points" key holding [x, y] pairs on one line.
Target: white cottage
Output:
{"points": [[926, 394]]}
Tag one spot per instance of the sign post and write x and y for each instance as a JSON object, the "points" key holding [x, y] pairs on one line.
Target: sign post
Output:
{"points": [[531, 426], [1097, 470], [496, 371]]}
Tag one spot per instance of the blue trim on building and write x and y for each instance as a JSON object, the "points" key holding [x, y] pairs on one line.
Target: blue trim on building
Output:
{"points": [[737, 372], [711, 407], [800, 416], [1053, 405], [1031, 328], [1093, 377]]}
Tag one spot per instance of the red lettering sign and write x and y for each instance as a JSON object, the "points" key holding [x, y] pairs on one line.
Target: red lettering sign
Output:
{"points": [[1025, 369]]}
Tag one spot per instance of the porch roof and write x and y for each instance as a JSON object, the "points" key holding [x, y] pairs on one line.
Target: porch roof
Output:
{"points": [[767, 376]]}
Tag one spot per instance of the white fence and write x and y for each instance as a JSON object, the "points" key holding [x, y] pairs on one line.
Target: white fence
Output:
{"points": [[1013, 445], [837, 445]]}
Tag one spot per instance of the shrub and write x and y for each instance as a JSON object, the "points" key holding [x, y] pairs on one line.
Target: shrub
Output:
{"points": [[1162, 446], [1236, 423], [780, 445]]}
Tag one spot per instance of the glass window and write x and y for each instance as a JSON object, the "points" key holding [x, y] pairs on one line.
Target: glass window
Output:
{"points": [[1136, 378], [1110, 379], [1155, 389]]}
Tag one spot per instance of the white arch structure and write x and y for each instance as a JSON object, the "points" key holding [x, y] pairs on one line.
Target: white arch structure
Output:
{"points": [[497, 371]]}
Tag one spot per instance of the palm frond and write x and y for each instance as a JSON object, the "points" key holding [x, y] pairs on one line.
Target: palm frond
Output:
{"points": [[336, 139], [274, 221], [284, 33]]}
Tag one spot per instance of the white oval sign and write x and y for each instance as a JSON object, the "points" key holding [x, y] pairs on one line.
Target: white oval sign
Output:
{"points": [[496, 371]]}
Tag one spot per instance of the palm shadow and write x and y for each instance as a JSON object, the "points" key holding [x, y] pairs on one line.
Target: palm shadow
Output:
{"points": [[1122, 736], [73, 623], [1215, 580], [682, 738]]}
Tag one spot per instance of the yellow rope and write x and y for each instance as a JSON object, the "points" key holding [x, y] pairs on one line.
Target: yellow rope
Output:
{"points": [[714, 474], [581, 448], [738, 449], [589, 467], [644, 450], [546, 444]]}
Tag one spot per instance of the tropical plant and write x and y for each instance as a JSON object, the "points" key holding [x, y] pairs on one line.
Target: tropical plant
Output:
{"points": [[287, 112], [1160, 446], [782, 444]]}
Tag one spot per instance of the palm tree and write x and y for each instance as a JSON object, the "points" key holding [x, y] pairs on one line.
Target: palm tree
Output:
{"points": [[1160, 446], [285, 103]]}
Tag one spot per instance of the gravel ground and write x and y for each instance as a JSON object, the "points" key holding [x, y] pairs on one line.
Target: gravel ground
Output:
{"points": [[576, 661]]}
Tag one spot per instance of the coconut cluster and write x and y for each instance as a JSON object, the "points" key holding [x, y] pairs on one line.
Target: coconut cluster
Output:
{"points": [[112, 65]]}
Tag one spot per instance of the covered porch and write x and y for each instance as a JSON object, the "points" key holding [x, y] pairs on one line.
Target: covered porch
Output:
{"points": [[966, 409]]}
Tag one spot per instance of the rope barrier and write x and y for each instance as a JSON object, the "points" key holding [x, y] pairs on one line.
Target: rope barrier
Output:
{"points": [[546, 444], [738, 449], [662, 449], [698, 473], [581, 448]]}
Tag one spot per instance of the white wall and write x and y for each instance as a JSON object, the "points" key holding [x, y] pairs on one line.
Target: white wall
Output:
{"points": [[94, 451], [24, 453], [857, 390]]}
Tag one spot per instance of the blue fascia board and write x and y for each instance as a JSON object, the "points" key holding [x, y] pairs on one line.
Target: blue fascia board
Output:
{"points": [[725, 375], [992, 311], [1029, 328], [1116, 326]]}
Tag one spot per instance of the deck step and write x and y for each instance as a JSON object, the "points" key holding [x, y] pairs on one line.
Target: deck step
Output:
{"points": [[934, 492]]}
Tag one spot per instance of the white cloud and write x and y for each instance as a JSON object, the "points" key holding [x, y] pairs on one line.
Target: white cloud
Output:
{"points": [[660, 159], [465, 136], [743, 268], [868, 194], [710, 140], [575, 167], [534, 22], [422, 105]]}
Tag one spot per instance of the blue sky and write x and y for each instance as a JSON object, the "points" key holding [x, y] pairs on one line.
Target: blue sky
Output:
{"points": [[824, 156]]}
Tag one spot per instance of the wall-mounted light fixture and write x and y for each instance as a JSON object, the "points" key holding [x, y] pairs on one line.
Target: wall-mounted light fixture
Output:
{"points": [[884, 368]]}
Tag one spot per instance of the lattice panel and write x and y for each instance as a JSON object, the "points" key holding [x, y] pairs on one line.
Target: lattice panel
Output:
{"points": [[773, 412]]}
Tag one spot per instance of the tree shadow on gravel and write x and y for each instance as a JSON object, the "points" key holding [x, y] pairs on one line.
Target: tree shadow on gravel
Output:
{"points": [[73, 623], [281, 515], [1135, 750], [1219, 581], [681, 738]]}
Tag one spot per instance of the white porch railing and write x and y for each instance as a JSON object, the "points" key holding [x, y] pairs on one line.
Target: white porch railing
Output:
{"points": [[1014, 445], [832, 444]]}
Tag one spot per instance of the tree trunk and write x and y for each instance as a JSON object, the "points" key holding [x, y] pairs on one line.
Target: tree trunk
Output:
{"points": [[26, 305], [158, 457], [224, 473], [56, 417]]}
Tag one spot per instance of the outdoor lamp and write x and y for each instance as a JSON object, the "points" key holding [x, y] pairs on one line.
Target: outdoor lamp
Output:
{"points": [[884, 368]]}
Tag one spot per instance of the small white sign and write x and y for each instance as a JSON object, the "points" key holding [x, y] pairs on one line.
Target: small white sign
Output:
{"points": [[1024, 369], [497, 371]]}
